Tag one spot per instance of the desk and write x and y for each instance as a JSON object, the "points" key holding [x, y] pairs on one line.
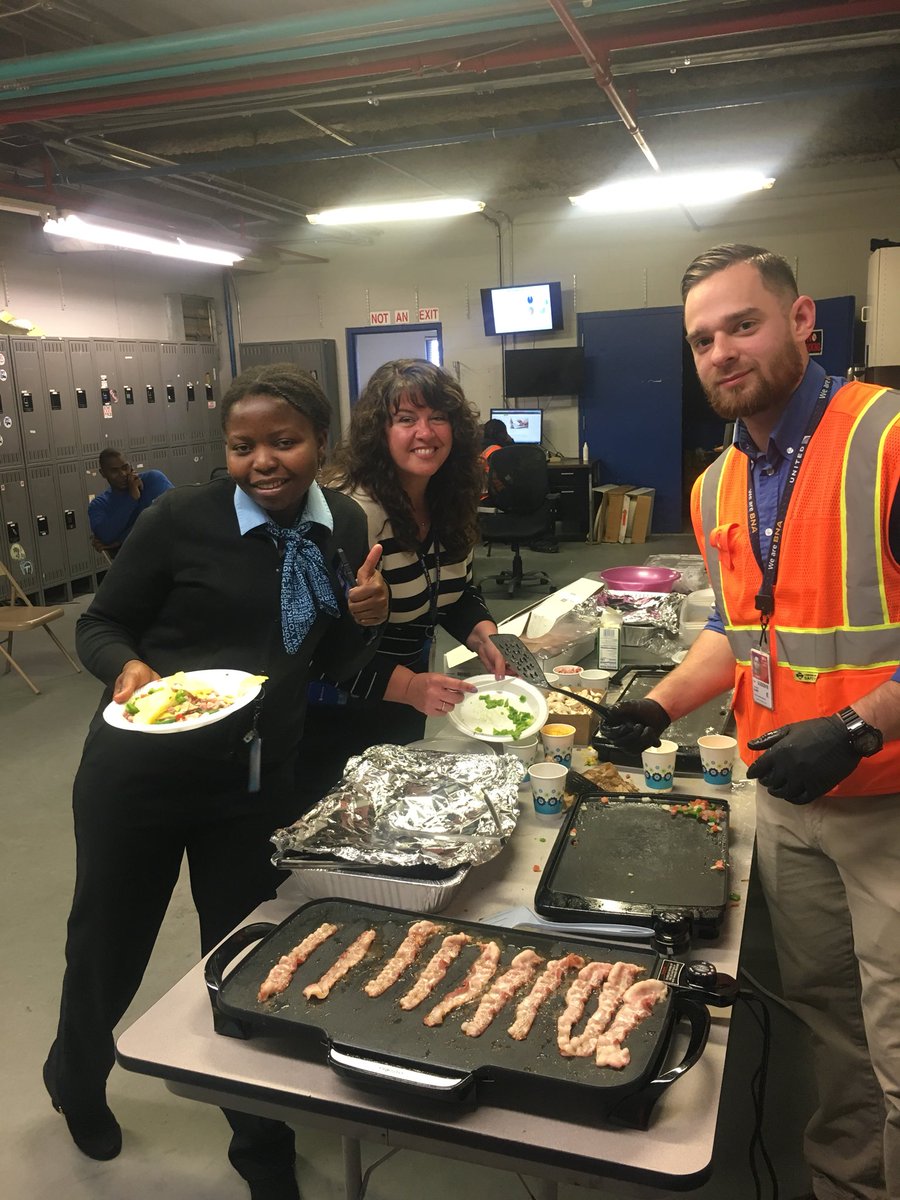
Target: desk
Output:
{"points": [[175, 1041], [571, 480]]}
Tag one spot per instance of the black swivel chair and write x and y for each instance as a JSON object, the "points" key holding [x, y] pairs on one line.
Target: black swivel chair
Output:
{"points": [[517, 487]]}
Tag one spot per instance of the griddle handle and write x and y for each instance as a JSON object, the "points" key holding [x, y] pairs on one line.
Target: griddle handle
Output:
{"points": [[383, 1075], [635, 1110], [215, 977]]}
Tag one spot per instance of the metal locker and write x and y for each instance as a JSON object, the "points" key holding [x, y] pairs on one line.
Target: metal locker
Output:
{"points": [[195, 391], [212, 390], [133, 407], [317, 356], [92, 484], [215, 455], [18, 538], [80, 554], [11, 452], [31, 400], [181, 467], [87, 398], [174, 394], [153, 395], [47, 525], [199, 469], [60, 398], [108, 391]]}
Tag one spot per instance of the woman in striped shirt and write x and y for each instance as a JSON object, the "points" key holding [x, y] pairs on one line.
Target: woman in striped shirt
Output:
{"points": [[411, 461]]}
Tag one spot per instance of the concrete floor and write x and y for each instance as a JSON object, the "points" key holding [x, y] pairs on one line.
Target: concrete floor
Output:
{"points": [[175, 1149]]}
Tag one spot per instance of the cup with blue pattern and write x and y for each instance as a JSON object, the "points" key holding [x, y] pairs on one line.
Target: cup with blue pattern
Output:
{"points": [[548, 786], [558, 740], [717, 752], [659, 766], [525, 750]]}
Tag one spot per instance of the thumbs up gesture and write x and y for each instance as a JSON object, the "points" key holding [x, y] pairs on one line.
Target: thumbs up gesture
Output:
{"points": [[369, 601]]}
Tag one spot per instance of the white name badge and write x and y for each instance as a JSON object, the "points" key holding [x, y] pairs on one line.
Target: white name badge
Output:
{"points": [[761, 674]]}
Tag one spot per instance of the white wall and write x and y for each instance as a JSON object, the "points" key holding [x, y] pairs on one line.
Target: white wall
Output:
{"points": [[821, 221]]}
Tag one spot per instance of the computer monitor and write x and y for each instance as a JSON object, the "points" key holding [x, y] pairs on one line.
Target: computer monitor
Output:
{"points": [[522, 308], [524, 425]]}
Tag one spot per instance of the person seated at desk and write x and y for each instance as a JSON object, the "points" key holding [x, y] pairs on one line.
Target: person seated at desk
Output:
{"points": [[411, 462], [494, 436], [239, 573], [113, 513]]}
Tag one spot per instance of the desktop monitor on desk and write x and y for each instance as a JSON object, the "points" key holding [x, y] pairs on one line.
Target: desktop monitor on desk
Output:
{"points": [[524, 425]]}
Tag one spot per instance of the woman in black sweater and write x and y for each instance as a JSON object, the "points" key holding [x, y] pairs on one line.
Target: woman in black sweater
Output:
{"points": [[238, 573]]}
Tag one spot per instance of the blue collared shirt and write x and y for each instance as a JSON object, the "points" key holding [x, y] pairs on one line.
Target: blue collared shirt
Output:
{"points": [[770, 468], [251, 516]]}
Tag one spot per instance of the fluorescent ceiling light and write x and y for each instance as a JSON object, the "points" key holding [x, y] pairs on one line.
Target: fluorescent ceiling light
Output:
{"points": [[407, 210], [126, 239], [690, 189]]}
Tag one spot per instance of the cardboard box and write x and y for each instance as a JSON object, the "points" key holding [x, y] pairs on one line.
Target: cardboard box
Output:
{"points": [[637, 514], [586, 723], [615, 499], [600, 492]]}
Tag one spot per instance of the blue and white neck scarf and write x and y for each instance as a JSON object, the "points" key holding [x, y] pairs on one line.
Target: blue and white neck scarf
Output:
{"points": [[305, 587]]}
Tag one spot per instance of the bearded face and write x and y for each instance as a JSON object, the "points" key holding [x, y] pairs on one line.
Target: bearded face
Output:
{"points": [[758, 387]]}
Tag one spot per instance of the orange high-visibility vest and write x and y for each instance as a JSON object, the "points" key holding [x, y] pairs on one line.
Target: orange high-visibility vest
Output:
{"points": [[835, 631]]}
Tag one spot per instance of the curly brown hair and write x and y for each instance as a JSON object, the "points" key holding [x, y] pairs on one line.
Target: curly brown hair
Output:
{"points": [[363, 461]]}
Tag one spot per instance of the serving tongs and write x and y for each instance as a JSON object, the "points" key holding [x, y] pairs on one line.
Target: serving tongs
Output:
{"points": [[520, 658]]}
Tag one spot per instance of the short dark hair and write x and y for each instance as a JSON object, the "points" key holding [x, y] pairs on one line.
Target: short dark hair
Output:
{"points": [[774, 270], [495, 433], [363, 460], [287, 382], [107, 454]]}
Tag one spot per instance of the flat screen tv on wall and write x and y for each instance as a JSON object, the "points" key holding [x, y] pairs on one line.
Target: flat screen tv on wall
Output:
{"points": [[523, 308], [555, 372]]}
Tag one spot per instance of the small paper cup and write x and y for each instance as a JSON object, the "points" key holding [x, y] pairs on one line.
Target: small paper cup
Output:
{"points": [[595, 681], [558, 740], [717, 753], [525, 750], [568, 672], [548, 785], [659, 766]]}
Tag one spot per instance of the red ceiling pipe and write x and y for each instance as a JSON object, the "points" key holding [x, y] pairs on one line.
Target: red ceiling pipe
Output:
{"points": [[444, 60]]}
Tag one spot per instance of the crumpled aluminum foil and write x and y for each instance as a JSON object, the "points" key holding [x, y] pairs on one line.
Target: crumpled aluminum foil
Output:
{"points": [[662, 609], [402, 808]]}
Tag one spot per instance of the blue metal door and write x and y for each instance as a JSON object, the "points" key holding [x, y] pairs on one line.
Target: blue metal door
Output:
{"points": [[630, 408]]}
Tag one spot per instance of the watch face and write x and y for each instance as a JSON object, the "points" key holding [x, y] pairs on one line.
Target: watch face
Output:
{"points": [[867, 741]]}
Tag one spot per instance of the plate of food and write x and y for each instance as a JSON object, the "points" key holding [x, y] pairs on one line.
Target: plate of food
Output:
{"points": [[185, 700], [501, 710]]}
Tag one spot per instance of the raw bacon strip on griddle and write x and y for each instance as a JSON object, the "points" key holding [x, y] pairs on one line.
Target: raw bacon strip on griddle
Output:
{"points": [[545, 985], [618, 981], [354, 953], [589, 979], [521, 971], [407, 952], [637, 1004], [283, 972], [480, 974], [435, 970]]}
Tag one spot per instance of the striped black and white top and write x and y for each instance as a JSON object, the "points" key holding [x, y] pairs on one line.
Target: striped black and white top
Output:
{"points": [[412, 579]]}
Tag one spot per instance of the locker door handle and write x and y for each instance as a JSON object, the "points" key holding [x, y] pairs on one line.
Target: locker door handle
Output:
{"points": [[43, 525], [69, 518]]}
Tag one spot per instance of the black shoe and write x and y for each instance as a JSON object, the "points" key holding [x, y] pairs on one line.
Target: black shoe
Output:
{"points": [[279, 1187], [96, 1134]]}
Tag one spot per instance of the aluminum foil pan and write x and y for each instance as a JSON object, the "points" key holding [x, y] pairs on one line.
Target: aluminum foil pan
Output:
{"points": [[420, 895], [401, 807]]}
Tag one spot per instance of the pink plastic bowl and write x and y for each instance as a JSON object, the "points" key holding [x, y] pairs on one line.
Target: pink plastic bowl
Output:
{"points": [[640, 579]]}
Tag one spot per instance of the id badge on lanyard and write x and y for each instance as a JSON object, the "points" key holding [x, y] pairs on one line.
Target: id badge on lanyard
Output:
{"points": [[761, 676]]}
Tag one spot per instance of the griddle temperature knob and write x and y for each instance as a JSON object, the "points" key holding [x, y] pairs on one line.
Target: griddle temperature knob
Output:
{"points": [[718, 989], [672, 932]]}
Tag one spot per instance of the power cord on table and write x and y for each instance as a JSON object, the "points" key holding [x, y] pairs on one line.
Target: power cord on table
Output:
{"points": [[760, 1014]]}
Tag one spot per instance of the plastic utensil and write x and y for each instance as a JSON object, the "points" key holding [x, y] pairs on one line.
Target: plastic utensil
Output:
{"points": [[522, 660]]}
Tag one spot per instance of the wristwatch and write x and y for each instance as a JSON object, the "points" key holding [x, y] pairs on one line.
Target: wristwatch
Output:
{"points": [[864, 738]]}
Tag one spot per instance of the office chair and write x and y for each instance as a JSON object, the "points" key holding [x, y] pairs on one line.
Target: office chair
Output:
{"points": [[517, 488]]}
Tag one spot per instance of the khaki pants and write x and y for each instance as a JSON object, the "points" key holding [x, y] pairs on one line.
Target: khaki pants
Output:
{"points": [[830, 871]]}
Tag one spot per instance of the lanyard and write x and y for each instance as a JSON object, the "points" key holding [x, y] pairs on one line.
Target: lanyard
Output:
{"points": [[434, 589], [765, 597]]}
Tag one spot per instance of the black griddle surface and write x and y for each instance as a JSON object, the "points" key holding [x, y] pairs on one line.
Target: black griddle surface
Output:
{"points": [[630, 856], [378, 1027]]}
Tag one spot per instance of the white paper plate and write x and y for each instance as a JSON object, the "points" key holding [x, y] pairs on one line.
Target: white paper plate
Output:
{"points": [[225, 682], [472, 718]]}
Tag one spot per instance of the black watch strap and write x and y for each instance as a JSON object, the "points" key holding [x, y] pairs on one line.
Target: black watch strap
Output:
{"points": [[864, 738]]}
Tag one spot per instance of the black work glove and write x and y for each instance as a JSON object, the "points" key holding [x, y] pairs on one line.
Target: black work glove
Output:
{"points": [[635, 724], [804, 760]]}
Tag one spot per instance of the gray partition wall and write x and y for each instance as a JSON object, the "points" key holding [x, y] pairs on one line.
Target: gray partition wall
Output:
{"points": [[62, 401]]}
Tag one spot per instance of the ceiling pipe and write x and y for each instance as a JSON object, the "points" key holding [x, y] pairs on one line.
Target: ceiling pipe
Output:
{"points": [[605, 81], [437, 60]]}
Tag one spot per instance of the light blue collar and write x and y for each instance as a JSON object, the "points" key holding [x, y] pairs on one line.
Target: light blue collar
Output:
{"points": [[251, 516]]}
